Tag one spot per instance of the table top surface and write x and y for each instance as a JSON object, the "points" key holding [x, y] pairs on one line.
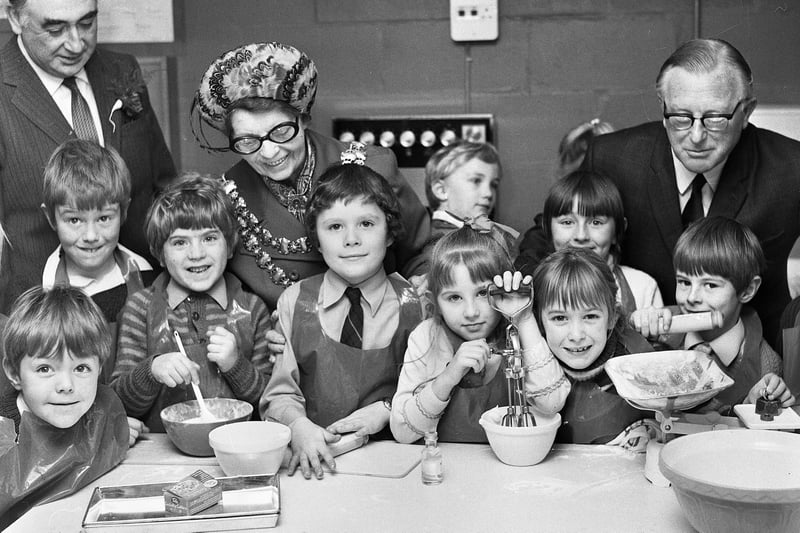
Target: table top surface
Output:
{"points": [[576, 488]]}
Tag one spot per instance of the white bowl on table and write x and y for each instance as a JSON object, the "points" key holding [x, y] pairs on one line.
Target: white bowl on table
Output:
{"points": [[250, 448], [520, 446]]}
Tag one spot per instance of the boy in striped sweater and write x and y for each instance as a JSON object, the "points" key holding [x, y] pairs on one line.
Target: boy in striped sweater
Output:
{"points": [[191, 229]]}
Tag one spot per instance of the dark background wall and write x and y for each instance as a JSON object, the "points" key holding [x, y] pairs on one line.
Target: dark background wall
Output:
{"points": [[557, 63]]}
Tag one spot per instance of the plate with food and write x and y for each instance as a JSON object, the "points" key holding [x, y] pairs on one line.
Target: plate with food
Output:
{"points": [[672, 380]]}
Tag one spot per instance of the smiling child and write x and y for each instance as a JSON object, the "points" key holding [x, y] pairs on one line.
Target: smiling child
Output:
{"points": [[575, 304], [191, 229], [59, 428], [87, 190], [346, 329]]}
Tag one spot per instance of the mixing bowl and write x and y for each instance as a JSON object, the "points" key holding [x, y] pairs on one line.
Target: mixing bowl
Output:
{"points": [[672, 380], [520, 446], [736, 481], [250, 448], [189, 433]]}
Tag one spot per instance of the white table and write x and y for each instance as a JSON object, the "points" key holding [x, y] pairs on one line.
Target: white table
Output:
{"points": [[576, 488]]}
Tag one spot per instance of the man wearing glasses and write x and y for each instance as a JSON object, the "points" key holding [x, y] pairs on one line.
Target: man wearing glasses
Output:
{"points": [[704, 158]]}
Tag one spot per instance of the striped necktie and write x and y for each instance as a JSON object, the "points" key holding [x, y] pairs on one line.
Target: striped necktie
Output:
{"points": [[82, 121]]}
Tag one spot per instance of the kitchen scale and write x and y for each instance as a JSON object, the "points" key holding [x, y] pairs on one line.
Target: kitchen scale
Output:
{"points": [[674, 381]]}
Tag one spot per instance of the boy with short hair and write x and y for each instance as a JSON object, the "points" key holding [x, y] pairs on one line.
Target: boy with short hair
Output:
{"points": [[191, 229], [59, 428], [718, 263], [346, 329], [461, 181], [87, 190]]}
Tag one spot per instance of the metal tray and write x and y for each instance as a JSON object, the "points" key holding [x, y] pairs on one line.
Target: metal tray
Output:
{"points": [[248, 502]]}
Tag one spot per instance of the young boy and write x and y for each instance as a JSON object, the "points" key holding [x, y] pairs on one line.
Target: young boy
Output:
{"points": [[346, 330], [87, 190], [61, 429], [191, 229], [461, 183], [717, 264]]}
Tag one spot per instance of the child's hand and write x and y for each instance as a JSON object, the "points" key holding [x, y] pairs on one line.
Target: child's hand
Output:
{"points": [[309, 443], [174, 368], [365, 421], [651, 321], [471, 355], [774, 388], [222, 348], [137, 429], [514, 300]]}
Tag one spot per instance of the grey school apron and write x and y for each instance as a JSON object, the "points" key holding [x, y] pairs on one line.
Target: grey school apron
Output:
{"points": [[459, 423], [337, 379]]}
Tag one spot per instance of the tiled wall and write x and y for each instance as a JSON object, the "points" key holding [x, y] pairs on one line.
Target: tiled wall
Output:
{"points": [[556, 63]]}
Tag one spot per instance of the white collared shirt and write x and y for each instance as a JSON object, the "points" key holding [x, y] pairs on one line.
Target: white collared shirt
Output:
{"points": [[92, 286], [727, 346], [684, 178], [62, 95]]}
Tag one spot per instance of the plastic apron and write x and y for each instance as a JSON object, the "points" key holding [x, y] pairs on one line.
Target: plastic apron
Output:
{"points": [[459, 423], [592, 415], [133, 282], [337, 379], [45, 463], [160, 340]]}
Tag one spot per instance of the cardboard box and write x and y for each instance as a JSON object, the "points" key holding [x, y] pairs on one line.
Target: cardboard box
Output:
{"points": [[192, 494]]}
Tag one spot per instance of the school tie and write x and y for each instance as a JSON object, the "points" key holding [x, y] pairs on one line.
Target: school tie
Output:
{"points": [[82, 121], [354, 324], [694, 207]]}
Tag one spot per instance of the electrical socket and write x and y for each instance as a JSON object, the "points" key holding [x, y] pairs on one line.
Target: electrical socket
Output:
{"points": [[474, 20]]}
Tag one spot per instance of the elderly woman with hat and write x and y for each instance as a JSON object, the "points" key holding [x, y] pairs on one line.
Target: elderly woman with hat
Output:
{"points": [[260, 96]]}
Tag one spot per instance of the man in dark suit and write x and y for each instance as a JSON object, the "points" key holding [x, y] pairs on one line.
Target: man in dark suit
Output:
{"points": [[53, 53], [704, 158]]}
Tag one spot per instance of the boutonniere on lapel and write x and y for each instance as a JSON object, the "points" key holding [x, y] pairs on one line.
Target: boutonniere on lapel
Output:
{"points": [[128, 88]]}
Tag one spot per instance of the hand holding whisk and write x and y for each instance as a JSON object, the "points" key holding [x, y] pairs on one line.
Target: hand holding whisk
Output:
{"points": [[511, 295]]}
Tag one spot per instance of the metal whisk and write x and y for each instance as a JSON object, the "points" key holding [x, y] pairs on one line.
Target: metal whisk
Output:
{"points": [[518, 413], [511, 304]]}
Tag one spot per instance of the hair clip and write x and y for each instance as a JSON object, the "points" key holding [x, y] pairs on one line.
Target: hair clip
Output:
{"points": [[356, 154]]}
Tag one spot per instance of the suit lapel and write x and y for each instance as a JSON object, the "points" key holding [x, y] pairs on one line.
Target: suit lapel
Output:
{"points": [[736, 179], [663, 193], [99, 76], [30, 96]]}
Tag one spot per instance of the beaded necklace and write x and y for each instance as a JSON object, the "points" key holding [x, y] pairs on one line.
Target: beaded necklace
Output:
{"points": [[256, 238]]}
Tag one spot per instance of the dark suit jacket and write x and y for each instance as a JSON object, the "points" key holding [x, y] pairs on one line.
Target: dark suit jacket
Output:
{"points": [[400, 256], [759, 187], [31, 127]]}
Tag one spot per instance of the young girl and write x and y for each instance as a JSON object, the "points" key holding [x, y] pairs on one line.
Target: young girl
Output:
{"points": [[432, 394], [584, 210], [576, 306]]}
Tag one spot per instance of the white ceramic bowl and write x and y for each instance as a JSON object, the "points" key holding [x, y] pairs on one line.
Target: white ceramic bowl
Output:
{"points": [[250, 448], [192, 437], [520, 446], [736, 481]]}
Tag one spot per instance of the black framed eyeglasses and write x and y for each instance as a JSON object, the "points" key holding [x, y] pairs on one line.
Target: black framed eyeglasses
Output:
{"points": [[711, 121], [282, 133]]}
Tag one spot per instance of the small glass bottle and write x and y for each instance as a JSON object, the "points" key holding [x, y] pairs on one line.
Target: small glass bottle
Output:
{"points": [[431, 466]]}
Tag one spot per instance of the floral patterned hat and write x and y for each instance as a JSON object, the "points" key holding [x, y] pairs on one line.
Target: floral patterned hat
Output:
{"points": [[268, 70]]}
